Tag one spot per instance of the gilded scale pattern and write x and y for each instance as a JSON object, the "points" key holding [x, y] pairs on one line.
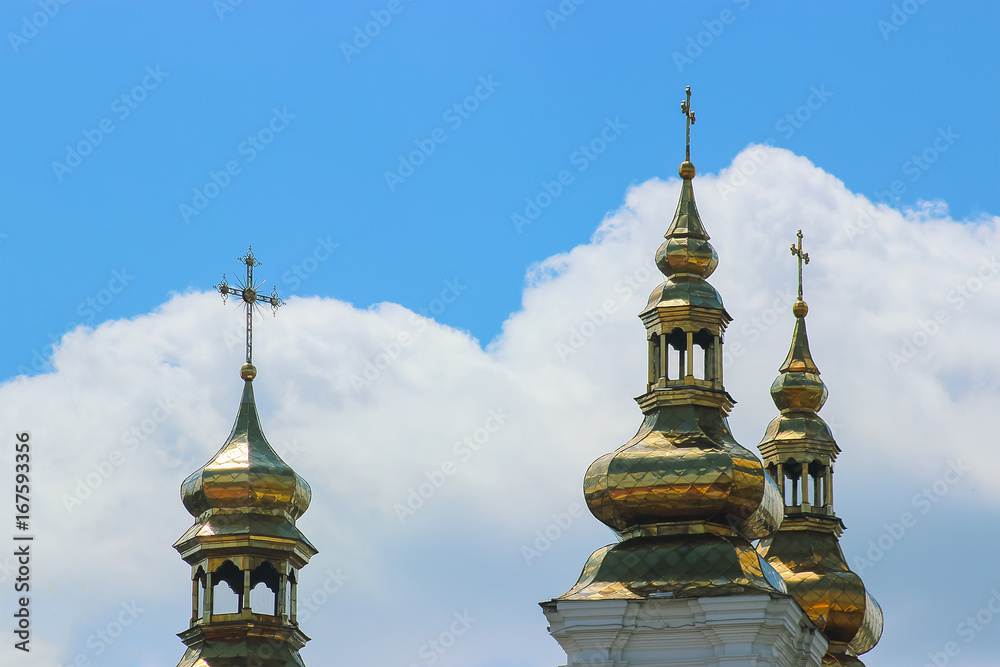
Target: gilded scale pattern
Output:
{"points": [[684, 497], [799, 449]]}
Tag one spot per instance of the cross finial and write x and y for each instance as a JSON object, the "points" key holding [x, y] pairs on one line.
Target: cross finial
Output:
{"points": [[250, 298], [689, 115], [803, 257]]}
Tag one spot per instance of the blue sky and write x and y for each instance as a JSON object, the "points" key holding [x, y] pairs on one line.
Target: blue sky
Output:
{"points": [[882, 96], [508, 170]]}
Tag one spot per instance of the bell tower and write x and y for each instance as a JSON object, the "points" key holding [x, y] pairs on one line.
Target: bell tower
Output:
{"points": [[799, 451], [245, 502], [684, 584]]}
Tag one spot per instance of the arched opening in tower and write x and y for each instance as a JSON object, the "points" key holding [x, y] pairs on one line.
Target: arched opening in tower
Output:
{"points": [[264, 582], [703, 358], [226, 599], [676, 340]]}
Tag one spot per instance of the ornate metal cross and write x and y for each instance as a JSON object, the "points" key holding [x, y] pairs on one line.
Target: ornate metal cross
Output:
{"points": [[250, 298], [686, 108], [803, 257]]}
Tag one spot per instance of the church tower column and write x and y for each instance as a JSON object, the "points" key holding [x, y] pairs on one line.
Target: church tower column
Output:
{"points": [[805, 550], [684, 584], [245, 502]]}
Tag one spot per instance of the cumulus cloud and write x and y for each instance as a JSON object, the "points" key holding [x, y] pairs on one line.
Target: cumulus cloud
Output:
{"points": [[446, 473]]}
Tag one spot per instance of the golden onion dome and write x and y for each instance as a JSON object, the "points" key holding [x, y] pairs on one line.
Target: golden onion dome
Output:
{"points": [[686, 250], [683, 472], [246, 474], [799, 387]]}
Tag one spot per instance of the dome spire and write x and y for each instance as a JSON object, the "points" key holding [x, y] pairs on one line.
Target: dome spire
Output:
{"points": [[799, 357], [799, 451]]}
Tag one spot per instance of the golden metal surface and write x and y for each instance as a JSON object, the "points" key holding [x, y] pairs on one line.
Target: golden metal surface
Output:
{"points": [[245, 501], [675, 566], [799, 451], [246, 472], [683, 465], [685, 497]]}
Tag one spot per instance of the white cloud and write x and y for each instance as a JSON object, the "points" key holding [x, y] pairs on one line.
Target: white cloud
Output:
{"points": [[561, 374]]}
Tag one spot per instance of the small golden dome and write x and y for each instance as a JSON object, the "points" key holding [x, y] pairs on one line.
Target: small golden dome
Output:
{"points": [[798, 391], [688, 256], [248, 371], [246, 474], [800, 309], [687, 170]]}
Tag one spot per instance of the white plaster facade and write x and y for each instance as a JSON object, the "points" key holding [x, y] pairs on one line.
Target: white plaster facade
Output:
{"points": [[730, 631]]}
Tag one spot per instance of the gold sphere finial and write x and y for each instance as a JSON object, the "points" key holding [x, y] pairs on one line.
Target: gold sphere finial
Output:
{"points": [[248, 371], [686, 170], [800, 309]]}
